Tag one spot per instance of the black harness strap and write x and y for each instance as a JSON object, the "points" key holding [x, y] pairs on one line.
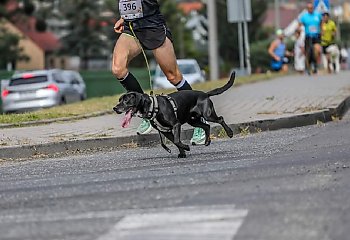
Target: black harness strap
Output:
{"points": [[154, 109]]}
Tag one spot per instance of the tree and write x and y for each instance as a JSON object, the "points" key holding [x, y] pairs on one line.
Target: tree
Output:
{"points": [[227, 32], [10, 52], [182, 37], [86, 38]]}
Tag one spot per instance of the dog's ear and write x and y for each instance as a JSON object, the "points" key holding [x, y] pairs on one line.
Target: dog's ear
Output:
{"points": [[126, 97], [122, 97], [145, 102]]}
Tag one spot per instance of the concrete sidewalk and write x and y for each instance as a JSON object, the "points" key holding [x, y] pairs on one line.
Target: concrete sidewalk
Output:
{"points": [[284, 102]]}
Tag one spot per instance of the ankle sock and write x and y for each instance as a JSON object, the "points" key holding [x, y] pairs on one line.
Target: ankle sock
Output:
{"points": [[183, 85], [130, 83]]}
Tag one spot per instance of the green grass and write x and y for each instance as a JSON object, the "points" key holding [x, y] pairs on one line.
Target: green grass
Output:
{"points": [[100, 104]]}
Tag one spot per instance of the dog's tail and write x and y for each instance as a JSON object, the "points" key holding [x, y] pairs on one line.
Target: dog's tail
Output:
{"points": [[222, 89]]}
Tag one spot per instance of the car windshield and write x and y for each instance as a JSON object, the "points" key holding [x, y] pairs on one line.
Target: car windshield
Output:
{"points": [[27, 80], [185, 68]]}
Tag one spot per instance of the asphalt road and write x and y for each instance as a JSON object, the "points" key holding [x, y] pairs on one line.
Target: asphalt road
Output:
{"points": [[287, 184]]}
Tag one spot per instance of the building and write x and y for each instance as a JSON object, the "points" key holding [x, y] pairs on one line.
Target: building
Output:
{"points": [[40, 47]]}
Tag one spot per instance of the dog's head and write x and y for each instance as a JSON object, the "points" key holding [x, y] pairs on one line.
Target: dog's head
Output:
{"points": [[130, 103]]}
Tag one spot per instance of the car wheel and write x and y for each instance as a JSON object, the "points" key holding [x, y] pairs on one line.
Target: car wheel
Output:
{"points": [[63, 101], [82, 97]]}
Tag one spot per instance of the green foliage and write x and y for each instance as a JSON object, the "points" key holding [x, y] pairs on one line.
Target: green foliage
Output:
{"points": [[228, 32], [10, 51], [182, 37], [85, 38], [29, 7], [260, 57], [345, 33], [40, 25]]}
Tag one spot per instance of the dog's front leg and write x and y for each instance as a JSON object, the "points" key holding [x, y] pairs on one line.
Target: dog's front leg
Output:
{"points": [[177, 137], [170, 136], [162, 143]]}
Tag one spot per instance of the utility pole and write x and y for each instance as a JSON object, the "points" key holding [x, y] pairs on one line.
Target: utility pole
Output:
{"points": [[241, 46], [213, 40], [277, 15], [240, 11]]}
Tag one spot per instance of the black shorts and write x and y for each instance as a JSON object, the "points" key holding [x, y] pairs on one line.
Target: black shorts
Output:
{"points": [[150, 37], [309, 41], [324, 48]]}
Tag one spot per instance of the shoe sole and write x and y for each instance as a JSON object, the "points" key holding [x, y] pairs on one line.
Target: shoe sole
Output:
{"points": [[198, 143], [145, 132]]}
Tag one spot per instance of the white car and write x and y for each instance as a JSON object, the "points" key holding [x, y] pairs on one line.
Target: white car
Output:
{"points": [[190, 70]]}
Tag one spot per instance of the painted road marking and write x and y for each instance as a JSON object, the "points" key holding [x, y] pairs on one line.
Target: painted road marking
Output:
{"points": [[202, 223]]}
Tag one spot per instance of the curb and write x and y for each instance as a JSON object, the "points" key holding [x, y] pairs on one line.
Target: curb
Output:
{"points": [[98, 144], [63, 119]]}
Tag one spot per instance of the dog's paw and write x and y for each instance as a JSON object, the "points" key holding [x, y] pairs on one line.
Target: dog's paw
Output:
{"points": [[184, 146], [181, 155], [187, 148], [207, 142]]}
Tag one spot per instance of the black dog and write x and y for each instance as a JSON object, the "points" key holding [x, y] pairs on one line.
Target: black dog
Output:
{"points": [[168, 112]]}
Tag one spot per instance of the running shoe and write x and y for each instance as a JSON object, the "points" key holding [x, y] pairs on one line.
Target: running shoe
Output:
{"points": [[145, 127], [198, 137]]}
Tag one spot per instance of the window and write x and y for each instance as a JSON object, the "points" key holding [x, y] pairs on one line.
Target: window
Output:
{"points": [[28, 80]]}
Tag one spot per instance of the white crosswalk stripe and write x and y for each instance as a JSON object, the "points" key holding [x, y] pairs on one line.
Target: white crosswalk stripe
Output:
{"points": [[191, 223]]}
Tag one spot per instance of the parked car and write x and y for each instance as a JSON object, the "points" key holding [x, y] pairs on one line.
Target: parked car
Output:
{"points": [[77, 82], [189, 68], [32, 90]]}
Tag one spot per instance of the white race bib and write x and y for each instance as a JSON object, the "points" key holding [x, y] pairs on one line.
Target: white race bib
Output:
{"points": [[130, 9], [313, 29]]}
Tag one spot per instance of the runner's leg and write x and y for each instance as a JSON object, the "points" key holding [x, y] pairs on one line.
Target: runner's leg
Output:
{"points": [[126, 48], [165, 57]]}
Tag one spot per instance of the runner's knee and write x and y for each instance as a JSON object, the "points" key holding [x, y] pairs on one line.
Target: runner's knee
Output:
{"points": [[119, 72], [173, 77]]}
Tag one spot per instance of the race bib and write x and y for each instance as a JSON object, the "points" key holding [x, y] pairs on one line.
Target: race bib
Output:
{"points": [[130, 9], [313, 29]]}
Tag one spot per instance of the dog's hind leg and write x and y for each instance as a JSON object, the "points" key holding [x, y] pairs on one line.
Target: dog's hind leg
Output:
{"points": [[211, 116]]}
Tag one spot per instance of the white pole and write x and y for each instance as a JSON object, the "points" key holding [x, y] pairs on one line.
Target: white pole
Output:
{"points": [[277, 15], [240, 46], [246, 43], [247, 48], [213, 40]]}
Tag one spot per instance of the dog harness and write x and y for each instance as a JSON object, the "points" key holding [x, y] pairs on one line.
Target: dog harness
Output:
{"points": [[153, 112]]}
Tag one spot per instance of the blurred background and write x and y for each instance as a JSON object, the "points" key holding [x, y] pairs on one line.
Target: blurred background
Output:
{"points": [[78, 35]]}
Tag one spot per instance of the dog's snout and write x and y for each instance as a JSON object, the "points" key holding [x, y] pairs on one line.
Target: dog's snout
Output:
{"points": [[115, 109]]}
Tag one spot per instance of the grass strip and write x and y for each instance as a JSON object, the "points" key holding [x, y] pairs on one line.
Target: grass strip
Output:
{"points": [[104, 104]]}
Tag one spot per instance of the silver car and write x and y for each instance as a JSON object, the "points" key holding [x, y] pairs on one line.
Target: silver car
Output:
{"points": [[190, 70], [32, 90]]}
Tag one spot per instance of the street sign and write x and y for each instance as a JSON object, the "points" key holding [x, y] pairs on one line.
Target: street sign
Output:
{"points": [[322, 6], [239, 11]]}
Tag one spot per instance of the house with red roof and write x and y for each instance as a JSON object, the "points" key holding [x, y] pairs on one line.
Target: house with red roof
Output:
{"points": [[188, 7], [40, 47]]}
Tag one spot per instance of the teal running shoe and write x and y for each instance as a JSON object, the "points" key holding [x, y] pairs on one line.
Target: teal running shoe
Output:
{"points": [[145, 127], [198, 137]]}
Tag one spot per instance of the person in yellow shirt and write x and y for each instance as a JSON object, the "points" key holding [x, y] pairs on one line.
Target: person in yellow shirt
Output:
{"points": [[328, 34]]}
